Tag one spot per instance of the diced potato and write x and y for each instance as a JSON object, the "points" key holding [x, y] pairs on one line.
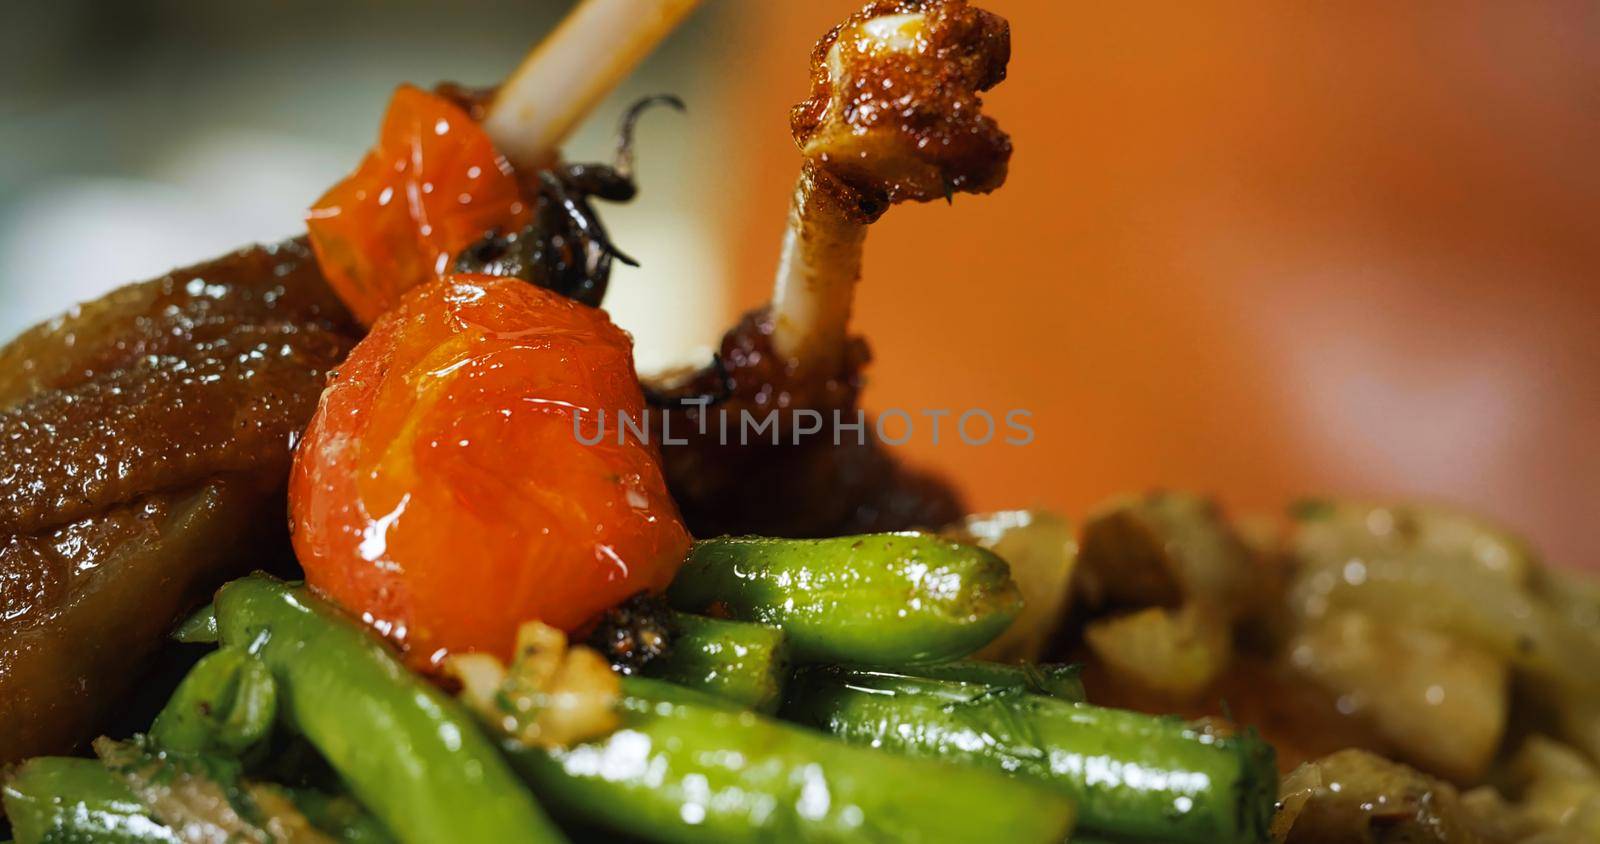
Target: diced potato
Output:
{"points": [[1540, 757], [1574, 597], [1353, 796], [1335, 531], [1262, 534], [1175, 654], [1041, 550], [1558, 791], [1166, 549], [1578, 716], [1446, 593], [1440, 701]]}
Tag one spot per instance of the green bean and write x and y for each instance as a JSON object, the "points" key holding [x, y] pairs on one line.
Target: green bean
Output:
{"points": [[410, 754], [341, 817], [880, 599], [200, 796], [198, 629], [1131, 775], [1057, 680], [226, 704], [53, 799], [744, 663], [681, 772]]}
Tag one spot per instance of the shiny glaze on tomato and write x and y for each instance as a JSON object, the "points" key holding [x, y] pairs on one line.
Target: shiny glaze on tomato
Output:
{"points": [[442, 492], [431, 186]]}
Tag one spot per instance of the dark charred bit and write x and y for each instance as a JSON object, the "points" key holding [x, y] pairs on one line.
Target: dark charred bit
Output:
{"points": [[634, 633], [566, 248], [747, 372], [774, 484]]}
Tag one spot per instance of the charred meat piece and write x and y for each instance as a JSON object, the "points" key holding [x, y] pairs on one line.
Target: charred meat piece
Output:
{"points": [[893, 115], [145, 440], [769, 483]]}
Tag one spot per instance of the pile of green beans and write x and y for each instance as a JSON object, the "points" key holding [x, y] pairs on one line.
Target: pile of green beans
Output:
{"points": [[814, 690], [412, 755], [691, 772]]}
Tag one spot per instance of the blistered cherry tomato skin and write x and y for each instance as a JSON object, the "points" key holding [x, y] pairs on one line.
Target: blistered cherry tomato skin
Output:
{"points": [[442, 492], [431, 186]]}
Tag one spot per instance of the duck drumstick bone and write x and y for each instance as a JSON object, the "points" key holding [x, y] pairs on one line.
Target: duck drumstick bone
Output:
{"points": [[894, 115]]}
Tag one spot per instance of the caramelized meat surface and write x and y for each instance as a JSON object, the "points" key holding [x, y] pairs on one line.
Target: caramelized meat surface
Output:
{"points": [[771, 483], [894, 113], [145, 440]]}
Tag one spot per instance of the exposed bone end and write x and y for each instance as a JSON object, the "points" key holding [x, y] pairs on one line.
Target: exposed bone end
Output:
{"points": [[894, 112]]}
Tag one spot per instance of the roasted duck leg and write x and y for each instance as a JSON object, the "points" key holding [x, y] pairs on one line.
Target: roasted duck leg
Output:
{"points": [[893, 115]]}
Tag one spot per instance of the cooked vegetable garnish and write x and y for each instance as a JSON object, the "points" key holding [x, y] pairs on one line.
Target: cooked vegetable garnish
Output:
{"points": [[1050, 679], [741, 662], [551, 696], [879, 599], [409, 753], [1354, 795], [198, 629], [432, 185], [1164, 549], [226, 704], [684, 772], [1131, 775], [1172, 654], [1419, 614], [458, 480], [339, 816], [1041, 548], [76, 800], [202, 797]]}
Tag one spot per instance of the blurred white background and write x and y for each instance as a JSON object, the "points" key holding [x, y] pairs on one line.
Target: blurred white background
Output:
{"points": [[141, 135]]}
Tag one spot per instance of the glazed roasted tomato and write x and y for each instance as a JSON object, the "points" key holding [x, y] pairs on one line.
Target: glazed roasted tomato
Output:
{"points": [[431, 187], [442, 492]]}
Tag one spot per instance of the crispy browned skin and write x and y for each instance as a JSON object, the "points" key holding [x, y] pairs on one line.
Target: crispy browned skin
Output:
{"points": [[144, 439], [906, 124]]}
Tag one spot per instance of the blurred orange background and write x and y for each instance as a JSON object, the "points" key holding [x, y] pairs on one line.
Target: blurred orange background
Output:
{"points": [[1264, 250]]}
